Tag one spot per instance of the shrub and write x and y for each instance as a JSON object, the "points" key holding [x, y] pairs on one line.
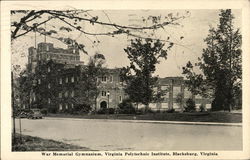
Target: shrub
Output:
{"points": [[44, 111], [202, 108], [111, 110], [126, 107], [52, 110], [190, 105], [82, 108], [102, 111], [140, 111], [170, 110]]}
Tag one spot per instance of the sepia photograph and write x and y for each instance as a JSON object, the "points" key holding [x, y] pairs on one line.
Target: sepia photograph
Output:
{"points": [[115, 83]]}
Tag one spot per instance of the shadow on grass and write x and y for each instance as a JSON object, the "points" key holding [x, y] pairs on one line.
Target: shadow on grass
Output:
{"points": [[29, 143], [220, 117]]}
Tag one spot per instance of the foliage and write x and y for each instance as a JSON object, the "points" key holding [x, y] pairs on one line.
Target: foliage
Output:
{"points": [[221, 65], [88, 85], [126, 107], [170, 111], [106, 111], [143, 56], [190, 105], [202, 108], [179, 98], [26, 85], [25, 21], [29, 143], [44, 111], [82, 108]]}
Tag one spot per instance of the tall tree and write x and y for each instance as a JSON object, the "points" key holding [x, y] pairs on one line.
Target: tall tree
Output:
{"points": [[143, 56], [26, 21], [220, 63], [88, 85]]}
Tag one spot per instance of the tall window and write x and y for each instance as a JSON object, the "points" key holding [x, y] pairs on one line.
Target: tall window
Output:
{"points": [[60, 94], [34, 97], [120, 79], [60, 81], [60, 106], [66, 106], [49, 86], [48, 69], [66, 80], [72, 94], [49, 101], [104, 79], [39, 81], [72, 79], [66, 94], [104, 93], [120, 98], [72, 105], [111, 78]]}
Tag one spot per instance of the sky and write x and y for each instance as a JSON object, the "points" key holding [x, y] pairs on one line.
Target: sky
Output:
{"points": [[194, 28]]}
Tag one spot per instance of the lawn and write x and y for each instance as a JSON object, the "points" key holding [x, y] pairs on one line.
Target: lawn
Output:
{"points": [[221, 117], [29, 143]]}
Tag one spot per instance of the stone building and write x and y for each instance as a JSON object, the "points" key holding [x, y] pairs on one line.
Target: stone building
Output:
{"points": [[111, 90], [172, 87], [57, 74]]}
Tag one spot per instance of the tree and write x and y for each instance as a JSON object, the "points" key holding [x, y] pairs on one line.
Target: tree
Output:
{"points": [[88, 85], [143, 56], [220, 63], [179, 99], [26, 21]]}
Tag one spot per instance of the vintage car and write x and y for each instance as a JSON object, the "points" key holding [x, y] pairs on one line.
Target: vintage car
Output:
{"points": [[35, 114]]}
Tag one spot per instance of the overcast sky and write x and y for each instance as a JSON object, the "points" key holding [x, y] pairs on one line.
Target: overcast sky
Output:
{"points": [[193, 28]]}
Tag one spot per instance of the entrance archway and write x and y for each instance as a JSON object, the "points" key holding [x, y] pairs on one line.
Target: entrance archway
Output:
{"points": [[103, 104]]}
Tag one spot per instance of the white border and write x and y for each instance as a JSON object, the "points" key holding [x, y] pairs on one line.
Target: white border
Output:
{"points": [[6, 6]]}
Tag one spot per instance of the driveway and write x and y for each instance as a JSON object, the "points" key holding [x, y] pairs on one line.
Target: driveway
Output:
{"points": [[118, 135]]}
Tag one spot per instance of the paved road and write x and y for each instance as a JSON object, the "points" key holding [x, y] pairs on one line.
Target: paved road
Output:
{"points": [[115, 135]]}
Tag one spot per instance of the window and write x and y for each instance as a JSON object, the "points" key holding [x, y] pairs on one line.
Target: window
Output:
{"points": [[60, 94], [39, 81], [111, 78], [66, 80], [72, 79], [104, 93], [120, 98], [120, 79], [104, 79], [72, 94], [155, 89], [60, 106], [49, 101], [49, 86], [60, 81], [72, 105], [34, 97], [164, 88], [47, 48], [66, 106], [66, 94], [48, 69]]}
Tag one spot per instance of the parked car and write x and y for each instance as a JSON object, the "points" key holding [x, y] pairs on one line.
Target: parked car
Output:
{"points": [[23, 115], [35, 114]]}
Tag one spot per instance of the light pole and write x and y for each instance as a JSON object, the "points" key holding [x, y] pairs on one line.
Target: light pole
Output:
{"points": [[108, 101]]}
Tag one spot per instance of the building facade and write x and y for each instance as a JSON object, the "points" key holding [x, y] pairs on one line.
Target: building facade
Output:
{"points": [[57, 75]]}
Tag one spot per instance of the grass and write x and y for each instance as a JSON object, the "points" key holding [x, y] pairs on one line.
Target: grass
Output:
{"points": [[221, 117], [29, 143]]}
